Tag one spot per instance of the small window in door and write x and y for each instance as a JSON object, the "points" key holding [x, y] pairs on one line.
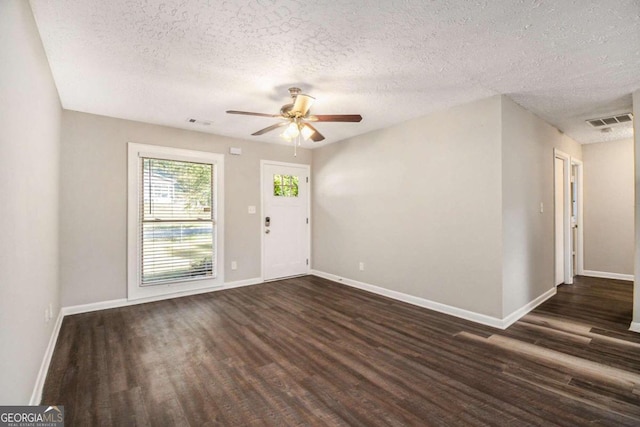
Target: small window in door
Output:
{"points": [[285, 185]]}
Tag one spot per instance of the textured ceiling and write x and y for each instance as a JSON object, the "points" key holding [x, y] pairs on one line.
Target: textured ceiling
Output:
{"points": [[165, 61]]}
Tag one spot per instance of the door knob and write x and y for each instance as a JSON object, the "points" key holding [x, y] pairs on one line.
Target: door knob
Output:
{"points": [[267, 231]]}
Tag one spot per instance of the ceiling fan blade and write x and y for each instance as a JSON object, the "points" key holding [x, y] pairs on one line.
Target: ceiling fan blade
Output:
{"points": [[248, 113], [335, 118], [302, 104], [270, 128], [315, 136]]}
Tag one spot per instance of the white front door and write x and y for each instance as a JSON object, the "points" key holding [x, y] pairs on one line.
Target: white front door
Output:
{"points": [[285, 220]]}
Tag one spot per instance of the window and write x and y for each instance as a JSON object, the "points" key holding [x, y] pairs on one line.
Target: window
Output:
{"points": [[285, 185], [175, 224]]}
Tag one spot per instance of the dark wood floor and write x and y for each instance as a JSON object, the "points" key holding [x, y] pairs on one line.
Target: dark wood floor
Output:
{"points": [[307, 351]]}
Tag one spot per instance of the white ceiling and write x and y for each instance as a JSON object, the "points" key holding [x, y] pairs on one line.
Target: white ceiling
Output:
{"points": [[163, 61]]}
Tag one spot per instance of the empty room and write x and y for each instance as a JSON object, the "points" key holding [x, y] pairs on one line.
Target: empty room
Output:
{"points": [[277, 212]]}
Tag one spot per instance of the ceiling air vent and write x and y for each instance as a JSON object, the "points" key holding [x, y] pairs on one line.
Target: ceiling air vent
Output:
{"points": [[199, 122], [609, 121]]}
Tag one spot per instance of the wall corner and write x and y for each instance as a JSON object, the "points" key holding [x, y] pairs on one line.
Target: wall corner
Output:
{"points": [[636, 138]]}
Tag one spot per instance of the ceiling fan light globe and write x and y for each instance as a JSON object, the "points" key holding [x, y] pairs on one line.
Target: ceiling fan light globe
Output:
{"points": [[306, 132], [286, 136], [292, 130]]}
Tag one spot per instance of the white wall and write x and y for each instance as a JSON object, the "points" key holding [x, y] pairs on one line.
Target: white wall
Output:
{"points": [[94, 200], [29, 150], [419, 203], [527, 180], [608, 207]]}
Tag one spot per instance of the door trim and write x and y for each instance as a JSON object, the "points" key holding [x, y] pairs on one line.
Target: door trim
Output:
{"points": [[308, 171], [580, 193], [566, 215]]}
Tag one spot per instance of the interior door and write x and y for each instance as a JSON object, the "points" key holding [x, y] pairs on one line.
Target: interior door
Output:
{"points": [[285, 221], [559, 219]]}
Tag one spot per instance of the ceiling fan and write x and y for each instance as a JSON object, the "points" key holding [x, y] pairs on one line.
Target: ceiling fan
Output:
{"points": [[297, 119]]}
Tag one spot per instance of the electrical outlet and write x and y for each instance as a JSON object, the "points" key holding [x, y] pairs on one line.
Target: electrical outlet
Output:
{"points": [[361, 266], [234, 265]]}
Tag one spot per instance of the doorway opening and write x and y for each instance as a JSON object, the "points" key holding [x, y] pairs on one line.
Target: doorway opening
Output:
{"points": [[568, 218]]}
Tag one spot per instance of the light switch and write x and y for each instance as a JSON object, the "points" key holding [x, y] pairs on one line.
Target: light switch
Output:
{"points": [[252, 209], [541, 207]]}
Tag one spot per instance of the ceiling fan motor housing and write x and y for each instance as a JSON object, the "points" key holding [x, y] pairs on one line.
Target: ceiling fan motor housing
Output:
{"points": [[286, 111]]}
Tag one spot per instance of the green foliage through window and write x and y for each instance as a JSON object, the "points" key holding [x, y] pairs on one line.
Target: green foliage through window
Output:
{"points": [[285, 185]]}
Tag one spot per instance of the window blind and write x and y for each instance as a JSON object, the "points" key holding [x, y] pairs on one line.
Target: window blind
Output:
{"points": [[177, 221]]}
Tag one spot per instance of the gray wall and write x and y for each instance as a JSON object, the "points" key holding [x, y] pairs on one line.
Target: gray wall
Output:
{"points": [[93, 245], [527, 179], [419, 203], [608, 206], [29, 149], [445, 207]]}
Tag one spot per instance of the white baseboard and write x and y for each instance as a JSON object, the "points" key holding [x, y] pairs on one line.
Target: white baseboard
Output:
{"points": [[522, 311], [439, 307], [635, 327], [123, 302], [607, 275], [36, 396], [240, 283], [96, 306], [420, 302]]}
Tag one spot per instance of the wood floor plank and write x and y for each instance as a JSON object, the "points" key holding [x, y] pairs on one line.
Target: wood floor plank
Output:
{"points": [[307, 352]]}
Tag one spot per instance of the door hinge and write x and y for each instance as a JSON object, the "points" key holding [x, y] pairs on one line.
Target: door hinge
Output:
{"points": [[307, 261], [307, 180], [307, 220]]}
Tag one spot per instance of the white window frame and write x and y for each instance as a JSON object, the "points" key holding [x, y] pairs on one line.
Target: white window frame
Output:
{"points": [[135, 153]]}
